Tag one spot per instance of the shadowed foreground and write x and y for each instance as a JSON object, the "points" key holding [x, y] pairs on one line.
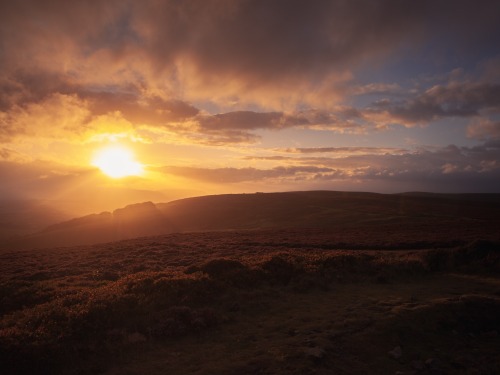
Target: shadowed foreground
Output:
{"points": [[255, 302]]}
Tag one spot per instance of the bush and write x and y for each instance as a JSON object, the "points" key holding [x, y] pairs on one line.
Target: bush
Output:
{"points": [[474, 257], [230, 272], [281, 270], [222, 268], [438, 259], [342, 267], [480, 255]]}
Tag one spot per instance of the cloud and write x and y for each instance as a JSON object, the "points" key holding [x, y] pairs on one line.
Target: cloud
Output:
{"points": [[420, 162], [160, 63], [248, 45], [139, 110], [56, 116], [345, 150], [262, 51], [246, 120], [456, 99], [377, 89], [239, 127], [339, 118], [235, 175], [484, 129], [7, 155], [449, 168]]}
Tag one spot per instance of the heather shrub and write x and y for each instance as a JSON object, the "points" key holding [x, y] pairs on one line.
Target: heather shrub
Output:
{"points": [[281, 270], [89, 323], [347, 267], [230, 272], [478, 254], [19, 294], [437, 259], [221, 268]]}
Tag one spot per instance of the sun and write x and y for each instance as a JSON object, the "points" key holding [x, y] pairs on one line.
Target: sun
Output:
{"points": [[117, 162]]}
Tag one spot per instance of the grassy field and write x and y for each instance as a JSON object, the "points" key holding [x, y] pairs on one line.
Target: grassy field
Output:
{"points": [[380, 299]]}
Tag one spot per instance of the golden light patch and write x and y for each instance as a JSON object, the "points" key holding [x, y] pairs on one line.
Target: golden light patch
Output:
{"points": [[117, 162]]}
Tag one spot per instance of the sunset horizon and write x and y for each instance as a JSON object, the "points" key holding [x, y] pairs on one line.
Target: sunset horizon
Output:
{"points": [[216, 97]]}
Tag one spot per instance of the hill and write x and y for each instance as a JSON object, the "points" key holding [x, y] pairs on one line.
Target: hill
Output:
{"points": [[323, 209], [315, 209], [136, 220], [20, 217]]}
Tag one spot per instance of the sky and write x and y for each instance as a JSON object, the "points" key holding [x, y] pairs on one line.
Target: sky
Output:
{"points": [[239, 96]]}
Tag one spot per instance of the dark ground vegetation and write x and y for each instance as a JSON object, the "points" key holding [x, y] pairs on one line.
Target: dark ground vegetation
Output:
{"points": [[356, 300]]}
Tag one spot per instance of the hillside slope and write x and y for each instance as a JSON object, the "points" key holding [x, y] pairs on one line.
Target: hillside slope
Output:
{"points": [[137, 220], [322, 209], [19, 217], [314, 209]]}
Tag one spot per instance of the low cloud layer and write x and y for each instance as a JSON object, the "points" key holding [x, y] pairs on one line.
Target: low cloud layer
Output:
{"points": [[450, 168]]}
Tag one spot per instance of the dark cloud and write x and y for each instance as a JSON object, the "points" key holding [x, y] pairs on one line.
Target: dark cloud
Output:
{"points": [[239, 126], [274, 40], [222, 137], [340, 119], [279, 42], [246, 120], [23, 88], [138, 110], [430, 161], [266, 46], [452, 100]]}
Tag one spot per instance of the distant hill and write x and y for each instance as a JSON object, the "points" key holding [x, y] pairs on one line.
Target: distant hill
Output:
{"points": [[136, 220], [324, 209], [312, 209], [20, 217]]}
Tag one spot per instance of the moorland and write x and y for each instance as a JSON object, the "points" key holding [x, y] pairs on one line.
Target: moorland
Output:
{"points": [[281, 283]]}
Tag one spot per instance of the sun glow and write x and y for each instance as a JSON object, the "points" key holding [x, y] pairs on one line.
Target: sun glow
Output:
{"points": [[117, 162]]}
